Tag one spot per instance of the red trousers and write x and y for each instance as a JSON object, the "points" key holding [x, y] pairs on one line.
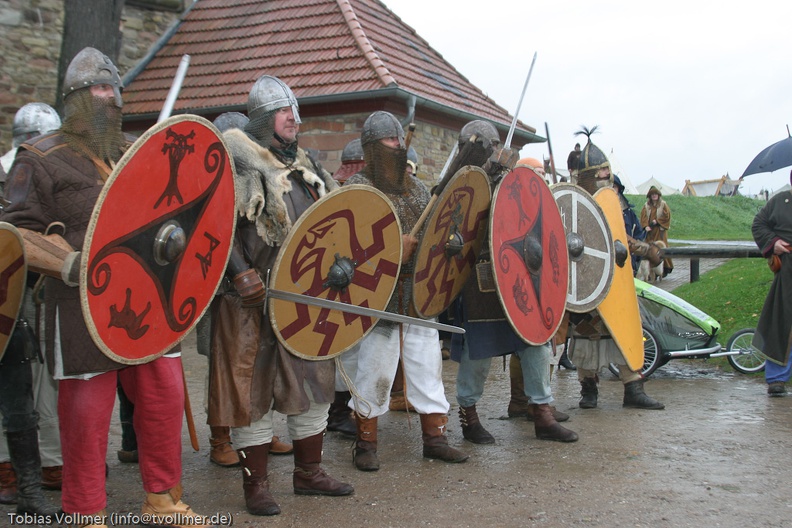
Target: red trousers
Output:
{"points": [[85, 408]]}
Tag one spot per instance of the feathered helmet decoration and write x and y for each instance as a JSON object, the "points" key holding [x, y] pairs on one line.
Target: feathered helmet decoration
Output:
{"points": [[591, 157]]}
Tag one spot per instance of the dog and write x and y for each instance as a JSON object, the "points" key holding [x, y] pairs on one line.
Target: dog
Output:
{"points": [[651, 267]]}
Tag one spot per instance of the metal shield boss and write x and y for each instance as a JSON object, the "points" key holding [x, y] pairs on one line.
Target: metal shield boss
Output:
{"points": [[452, 238], [13, 275], [619, 309], [529, 258], [346, 247], [590, 247], [159, 240]]}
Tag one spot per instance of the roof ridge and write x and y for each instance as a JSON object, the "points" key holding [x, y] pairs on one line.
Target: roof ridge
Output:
{"points": [[364, 43]]}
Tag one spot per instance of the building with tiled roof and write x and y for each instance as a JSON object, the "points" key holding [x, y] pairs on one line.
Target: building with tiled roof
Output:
{"points": [[342, 58]]}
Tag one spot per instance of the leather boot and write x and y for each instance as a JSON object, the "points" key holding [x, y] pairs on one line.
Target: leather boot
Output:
{"points": [[24, 451], [364, 455], [547, 428], [95, 520], [588, 393], [8, 484], [221, 452], [435, 442], [472, 430], [52, 477], [634, 396], [280, 448], [159, 506], [564, 361], [339, 418], [309, 478], [557, 415], [258, 499], [518, 404]]}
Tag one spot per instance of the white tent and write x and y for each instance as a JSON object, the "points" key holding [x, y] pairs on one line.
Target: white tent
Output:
{"points": [[654, 182]]}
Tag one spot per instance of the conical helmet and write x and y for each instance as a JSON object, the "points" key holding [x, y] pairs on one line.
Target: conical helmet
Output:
{"points": [[34, 119], [270, 93], [380, 125], [91, 67], [591, 157]]}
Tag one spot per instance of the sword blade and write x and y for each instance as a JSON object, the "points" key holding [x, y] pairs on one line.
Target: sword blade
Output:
{"points": [[360, 310]]}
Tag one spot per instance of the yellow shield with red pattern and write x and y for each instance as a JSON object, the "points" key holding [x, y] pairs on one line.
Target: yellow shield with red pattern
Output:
{"points": [[13, 275], [346, 247], [619, 309]]}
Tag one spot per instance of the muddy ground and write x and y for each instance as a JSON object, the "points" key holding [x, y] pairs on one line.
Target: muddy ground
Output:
{"points": [[718, 455]]}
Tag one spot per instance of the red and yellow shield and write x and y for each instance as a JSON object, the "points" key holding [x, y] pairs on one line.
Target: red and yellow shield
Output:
{"points": [[158, 241], [453, 235], [345, 247], [529, 256], [13, 275], [619, 309]]}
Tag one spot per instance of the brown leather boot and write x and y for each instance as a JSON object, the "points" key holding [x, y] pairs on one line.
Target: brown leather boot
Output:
{"points": [[634, 396], [258, 499], [95, 520], [309, 478], [547, 428], [222, 453], [52, 477], [159, 507], [472, 429], [588, 393], [8, 482], [518, 404], [364, 454], [558, 415], [280, 448], [435, 443]]}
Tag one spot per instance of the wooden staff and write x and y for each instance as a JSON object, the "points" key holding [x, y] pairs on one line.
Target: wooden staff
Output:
{"points": [[408, 139]]}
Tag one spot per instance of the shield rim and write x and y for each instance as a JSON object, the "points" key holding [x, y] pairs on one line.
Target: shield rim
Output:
{"points": [[492, 253], [430, 220], [557, 190], [133, 149], [276, 268], [5, 226]]}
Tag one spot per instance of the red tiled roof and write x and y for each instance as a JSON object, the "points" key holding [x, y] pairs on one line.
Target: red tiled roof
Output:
{"points": [[318, 47]]}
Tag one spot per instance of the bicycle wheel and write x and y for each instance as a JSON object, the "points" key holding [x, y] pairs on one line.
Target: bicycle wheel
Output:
{"points": [[749, 359], [651, 355]]}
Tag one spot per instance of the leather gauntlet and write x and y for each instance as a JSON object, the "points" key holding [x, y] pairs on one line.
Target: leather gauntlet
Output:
{"points": [[250, 287]]}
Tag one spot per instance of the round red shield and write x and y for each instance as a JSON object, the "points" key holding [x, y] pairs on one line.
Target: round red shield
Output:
{"points": [[453, 234], [345, 247], [529, 258], [158, 241], [13, 275]]}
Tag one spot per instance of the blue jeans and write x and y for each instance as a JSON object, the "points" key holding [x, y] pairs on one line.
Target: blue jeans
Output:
{"points": [[535, 362], [775, 372]]}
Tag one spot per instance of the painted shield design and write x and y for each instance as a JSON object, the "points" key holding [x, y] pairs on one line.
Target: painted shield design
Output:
{"points": [[590, 247], [345, 247], [529, 258], [13, 275], [159, 240], [619, 309], [453, 235]]}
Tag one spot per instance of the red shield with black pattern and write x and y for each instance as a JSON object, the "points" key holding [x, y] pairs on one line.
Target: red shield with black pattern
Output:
{"points": [[13, 275], [346, 247], [529, 257], [159, 240], [452, 238]]}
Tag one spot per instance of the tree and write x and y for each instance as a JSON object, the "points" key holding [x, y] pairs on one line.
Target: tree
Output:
{"points": [[94, 23]]}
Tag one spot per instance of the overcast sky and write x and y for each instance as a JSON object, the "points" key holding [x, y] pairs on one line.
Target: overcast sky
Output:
{"points": [[681, 90]]}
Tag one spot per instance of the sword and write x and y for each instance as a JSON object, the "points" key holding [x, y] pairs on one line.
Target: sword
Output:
{"points": [[173, 93], [550, 148], [359, 310], [519, 104]]}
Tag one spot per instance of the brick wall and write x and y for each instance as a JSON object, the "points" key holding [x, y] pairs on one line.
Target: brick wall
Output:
{"points": [[31, 41]]}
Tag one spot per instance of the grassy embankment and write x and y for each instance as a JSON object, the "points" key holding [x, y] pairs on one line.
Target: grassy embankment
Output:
{"points": [[732, 293]]}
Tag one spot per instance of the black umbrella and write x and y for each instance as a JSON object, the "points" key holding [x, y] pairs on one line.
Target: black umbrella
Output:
{"points": [[776, 156]]}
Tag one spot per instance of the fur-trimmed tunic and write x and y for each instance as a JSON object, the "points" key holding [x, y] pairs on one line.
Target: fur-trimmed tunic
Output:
{"points": [[250, 370]]}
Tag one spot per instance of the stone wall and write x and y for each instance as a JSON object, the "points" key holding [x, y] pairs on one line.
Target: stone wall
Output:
{"points": [[31, 42]]}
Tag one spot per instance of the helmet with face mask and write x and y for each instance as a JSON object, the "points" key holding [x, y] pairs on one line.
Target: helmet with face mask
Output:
{"points": [[34, 119], [385, 165], [592, 161], [89, 68]]}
